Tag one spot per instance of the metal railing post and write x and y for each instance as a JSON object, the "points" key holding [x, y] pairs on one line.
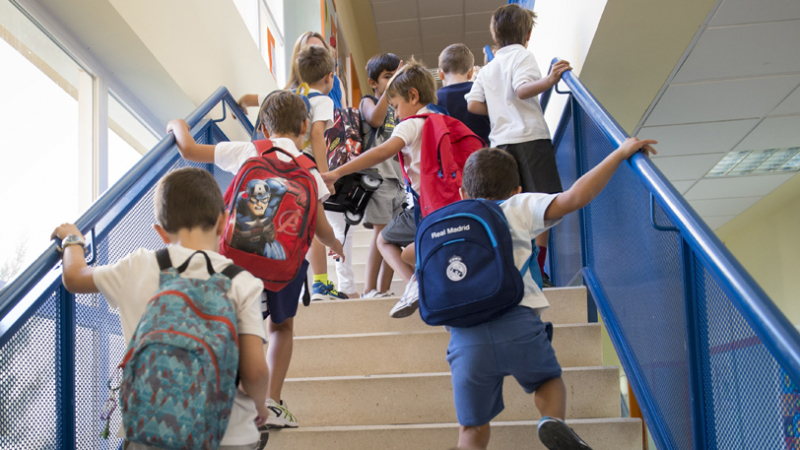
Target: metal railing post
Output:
{"points": [[591, 307], [65, 370]]}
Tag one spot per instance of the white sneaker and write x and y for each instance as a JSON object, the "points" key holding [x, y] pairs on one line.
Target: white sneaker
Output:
{"points": [[375, 294], [279, 415], [409, 302]]}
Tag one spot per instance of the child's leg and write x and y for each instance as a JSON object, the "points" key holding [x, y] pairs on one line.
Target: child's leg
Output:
{"points": [[374, 261], [317, 257], [279, 354], [385, 277], [392, 255], [551, 398], [474, 437], [409, 256], [344, 271]]}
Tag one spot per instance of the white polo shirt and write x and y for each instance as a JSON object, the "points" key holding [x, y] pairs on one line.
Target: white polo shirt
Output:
{"points": [[513, 120]]}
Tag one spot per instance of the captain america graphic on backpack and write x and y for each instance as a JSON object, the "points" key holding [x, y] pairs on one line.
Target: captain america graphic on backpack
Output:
{"points": [[256, 208]]}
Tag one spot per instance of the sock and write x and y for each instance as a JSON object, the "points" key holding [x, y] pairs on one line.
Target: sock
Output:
{"points": [[322, 278], [540, 259]]}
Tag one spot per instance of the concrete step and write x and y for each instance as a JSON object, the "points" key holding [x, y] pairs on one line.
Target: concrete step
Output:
{"points": [[600, 434], [418, 352], [592, 392], [359, 270], [567, 305]]}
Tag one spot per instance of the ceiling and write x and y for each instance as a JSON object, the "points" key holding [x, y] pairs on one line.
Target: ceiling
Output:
{"points": [[423, 28], [736, 88]]}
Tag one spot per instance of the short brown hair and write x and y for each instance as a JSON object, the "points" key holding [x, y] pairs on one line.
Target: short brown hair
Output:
{"points": [[188, 198], [283, 112], [456, 59], [490, 173], [511, 24], [314, 63], [413, 75]]}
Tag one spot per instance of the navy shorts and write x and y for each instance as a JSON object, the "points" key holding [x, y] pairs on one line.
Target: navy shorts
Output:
{"points": [[537, 165], [282, 305], [517, 344]]}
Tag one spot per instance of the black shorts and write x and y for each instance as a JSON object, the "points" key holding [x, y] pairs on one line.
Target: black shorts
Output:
{"points": [[282, 305], [537, 165]]}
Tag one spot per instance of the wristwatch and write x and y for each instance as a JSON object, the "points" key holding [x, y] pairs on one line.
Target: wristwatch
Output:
{"points": [[72, 239]]}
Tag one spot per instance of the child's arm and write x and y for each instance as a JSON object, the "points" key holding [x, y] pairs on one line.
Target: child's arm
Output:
{"points": [[375, 113], [76, 275], [248, 100], [318, 146], [479, 108], [592, 183], [254, 373], [374, 156], [190, 150], [325, 235], [534, 88]]}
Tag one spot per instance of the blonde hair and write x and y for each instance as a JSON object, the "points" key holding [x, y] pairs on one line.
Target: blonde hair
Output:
{"points": [[301, 43], [413, 75], [456, 59]]}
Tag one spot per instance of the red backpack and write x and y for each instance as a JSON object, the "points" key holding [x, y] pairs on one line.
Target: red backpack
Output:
{"points": [[273, 214], [446, 145]]}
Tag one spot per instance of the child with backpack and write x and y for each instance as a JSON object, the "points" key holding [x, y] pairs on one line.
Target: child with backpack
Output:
{"points": [[191, 217], [428, 144], [456, 67], [378, 124], [512, 336], [284, 122], [506, 90]]}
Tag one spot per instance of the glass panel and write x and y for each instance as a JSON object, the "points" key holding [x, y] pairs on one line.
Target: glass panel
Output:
{"points": [[39, 123], [128, 140]]}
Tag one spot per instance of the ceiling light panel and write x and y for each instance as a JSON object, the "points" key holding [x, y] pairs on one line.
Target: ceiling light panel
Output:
{"points": [[746, 162]]}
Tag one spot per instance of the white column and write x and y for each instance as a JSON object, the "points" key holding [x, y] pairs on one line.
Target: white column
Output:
{"points": [[100, 137], [86, 134]]}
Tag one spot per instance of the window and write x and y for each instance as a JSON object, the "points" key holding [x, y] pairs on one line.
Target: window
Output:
{"points": [[264, 20], [46, 129], [128, 139]]}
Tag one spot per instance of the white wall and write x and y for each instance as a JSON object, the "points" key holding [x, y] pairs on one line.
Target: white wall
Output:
{"points": [[564, 29]]}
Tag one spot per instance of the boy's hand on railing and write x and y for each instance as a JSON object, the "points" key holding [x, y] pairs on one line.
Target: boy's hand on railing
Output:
{"points": [[633, 145], [177, 124], [64, 230], [557, 70]]}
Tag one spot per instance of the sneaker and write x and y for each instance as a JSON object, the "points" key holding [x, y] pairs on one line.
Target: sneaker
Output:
{"points": [[322, 291], [264, 438], [409, 302], [546, 283], [556, 435], [279, 415], [375, 294]]}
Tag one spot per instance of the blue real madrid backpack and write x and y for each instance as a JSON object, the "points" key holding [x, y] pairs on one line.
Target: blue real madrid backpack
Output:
{"points": [[180, 370], [465, 265]]}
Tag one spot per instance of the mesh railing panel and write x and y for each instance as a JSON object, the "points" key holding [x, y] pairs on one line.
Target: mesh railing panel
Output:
{"points": [[29, 362], [565, 240], [748, 401], [28, 402]]}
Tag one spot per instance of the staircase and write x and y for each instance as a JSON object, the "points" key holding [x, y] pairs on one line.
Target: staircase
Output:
{"points": [[362, 380]]}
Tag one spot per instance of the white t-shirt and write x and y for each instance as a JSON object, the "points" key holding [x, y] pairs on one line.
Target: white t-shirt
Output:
{"points": [[525, 215], [321, 111], [230, 156], [513, 120], [410, 131], [130, 284]]}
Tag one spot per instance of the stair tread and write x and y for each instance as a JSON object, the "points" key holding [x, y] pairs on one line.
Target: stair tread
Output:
{"points": [[526, 423], [421, 375], [433, 330]]}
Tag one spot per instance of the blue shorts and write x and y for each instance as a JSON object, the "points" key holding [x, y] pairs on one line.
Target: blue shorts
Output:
{"points": [[282, 305], [517, 344]]}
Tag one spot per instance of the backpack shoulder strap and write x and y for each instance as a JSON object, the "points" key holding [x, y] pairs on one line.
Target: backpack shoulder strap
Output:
{"points": [[232, 270], [314, 94], [263, 146], [306, 162], [164, 261]]}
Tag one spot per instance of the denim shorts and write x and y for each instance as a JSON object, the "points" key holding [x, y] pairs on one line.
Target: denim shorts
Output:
{"points": [[516, 344]]}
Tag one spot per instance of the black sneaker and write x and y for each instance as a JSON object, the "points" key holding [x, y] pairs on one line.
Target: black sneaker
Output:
{"points": [[546, 283], [556, 435]]}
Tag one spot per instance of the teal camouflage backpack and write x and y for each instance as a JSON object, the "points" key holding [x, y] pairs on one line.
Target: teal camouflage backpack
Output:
{"points": [[180, 370]]}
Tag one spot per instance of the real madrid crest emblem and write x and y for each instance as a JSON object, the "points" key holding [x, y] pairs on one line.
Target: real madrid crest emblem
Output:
{"points": [[456, 270]]}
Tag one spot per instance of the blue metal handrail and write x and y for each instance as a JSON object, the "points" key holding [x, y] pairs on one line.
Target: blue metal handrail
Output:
{"points": [[15, 291], [700, 251], [774, 329]]}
